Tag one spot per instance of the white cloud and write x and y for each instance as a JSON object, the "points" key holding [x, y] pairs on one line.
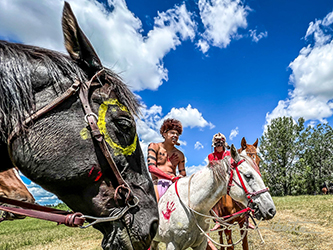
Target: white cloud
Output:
{"points": [[42, 196], [189, 117], [255, 37], [312, 77], [233, 133], [203, 45], [194, 169], [116, 36], [320, 30], [198, 145], [222, 19], [149, 124], [146, 135]]}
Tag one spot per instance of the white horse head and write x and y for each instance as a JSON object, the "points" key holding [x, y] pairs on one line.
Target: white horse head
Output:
{"points": [[248, 187]]}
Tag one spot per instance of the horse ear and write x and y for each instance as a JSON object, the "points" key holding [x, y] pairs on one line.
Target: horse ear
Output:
{"points": [[234, 153], [243, 143], [77, 44], [256, 143]]}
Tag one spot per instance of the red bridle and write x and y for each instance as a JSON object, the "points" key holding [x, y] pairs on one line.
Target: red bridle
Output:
{"points": [[234, 166]]}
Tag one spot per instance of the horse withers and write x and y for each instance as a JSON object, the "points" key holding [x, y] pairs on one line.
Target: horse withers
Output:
{"points": [[69, 125], [185, 207], [227, 206], [12, 186]]}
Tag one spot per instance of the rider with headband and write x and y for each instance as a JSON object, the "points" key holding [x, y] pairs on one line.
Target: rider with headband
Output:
{"points": [[220, 145], [163, 157]]}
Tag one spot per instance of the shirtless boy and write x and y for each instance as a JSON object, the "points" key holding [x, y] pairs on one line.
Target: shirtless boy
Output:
{"points": [[163, 158]]}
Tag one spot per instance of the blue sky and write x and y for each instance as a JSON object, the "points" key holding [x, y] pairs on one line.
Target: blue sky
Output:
{"points": [[218, 66]]}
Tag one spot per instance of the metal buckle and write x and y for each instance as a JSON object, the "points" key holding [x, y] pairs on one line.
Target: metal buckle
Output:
{"points": [[90, 114]]}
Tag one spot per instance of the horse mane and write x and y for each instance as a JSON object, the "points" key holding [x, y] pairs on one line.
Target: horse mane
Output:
{"points": [[18, 65], [218, 168], [123, 93]]}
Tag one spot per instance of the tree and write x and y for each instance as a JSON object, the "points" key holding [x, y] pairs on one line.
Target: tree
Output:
{"points": [[279, 149], [317, 157]]}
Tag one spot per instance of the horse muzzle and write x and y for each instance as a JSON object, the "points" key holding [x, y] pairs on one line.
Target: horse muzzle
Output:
{"points": [[124, 238], [261, 213]]}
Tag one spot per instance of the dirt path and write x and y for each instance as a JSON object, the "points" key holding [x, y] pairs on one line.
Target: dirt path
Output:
{"points": [[288, 231]]}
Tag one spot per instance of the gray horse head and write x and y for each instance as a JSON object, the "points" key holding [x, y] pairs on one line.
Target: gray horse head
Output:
{"points": [[57, 150]]}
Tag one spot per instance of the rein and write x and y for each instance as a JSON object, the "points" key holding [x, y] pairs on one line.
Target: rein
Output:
{"points": [[91, 119], [41, 212], [225, 219], [225, 224], [69, 219]]}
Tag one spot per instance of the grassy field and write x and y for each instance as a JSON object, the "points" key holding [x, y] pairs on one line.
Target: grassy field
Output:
{"points": [[301, 222]]}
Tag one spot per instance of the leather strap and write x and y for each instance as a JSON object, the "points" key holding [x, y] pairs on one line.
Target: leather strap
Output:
{"points": [[36, 211], [53, 104], [91, 118]]}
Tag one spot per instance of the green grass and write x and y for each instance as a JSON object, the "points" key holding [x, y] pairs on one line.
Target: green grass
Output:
{"points": [[38, 234], [305, 206], [32, 232]]}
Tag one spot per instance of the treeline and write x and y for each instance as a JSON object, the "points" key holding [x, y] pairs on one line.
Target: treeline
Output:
{"points": [[296, 159]]}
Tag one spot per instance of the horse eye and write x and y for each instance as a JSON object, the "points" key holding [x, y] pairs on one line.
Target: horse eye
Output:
{"points": [[123, 124], [248, 176]]}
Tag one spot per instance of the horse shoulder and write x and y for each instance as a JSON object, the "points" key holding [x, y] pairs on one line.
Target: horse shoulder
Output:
{"points": [[172, 212]]}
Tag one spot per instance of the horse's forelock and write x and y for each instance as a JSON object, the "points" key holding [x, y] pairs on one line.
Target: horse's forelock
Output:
{"points": [[125, 96], [220, 167], [249, 160]]}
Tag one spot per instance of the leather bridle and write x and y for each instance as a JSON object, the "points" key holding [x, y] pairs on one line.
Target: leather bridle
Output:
{"points": [[91, 119]]}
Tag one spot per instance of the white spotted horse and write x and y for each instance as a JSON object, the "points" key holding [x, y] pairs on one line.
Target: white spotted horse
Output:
{"points": [[184, 209]]}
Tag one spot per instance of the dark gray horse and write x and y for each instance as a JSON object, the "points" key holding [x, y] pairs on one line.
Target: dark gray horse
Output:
{"points": [[60, 152]]}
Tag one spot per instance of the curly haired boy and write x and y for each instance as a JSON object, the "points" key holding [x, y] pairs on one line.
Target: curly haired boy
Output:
{"points": [[164, 158]]}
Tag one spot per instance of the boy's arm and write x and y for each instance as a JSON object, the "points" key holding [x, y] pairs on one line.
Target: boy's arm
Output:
{"points": [[181, 165]]}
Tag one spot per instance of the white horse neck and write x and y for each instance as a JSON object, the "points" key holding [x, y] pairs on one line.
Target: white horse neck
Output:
{"points": [[205, 190]]}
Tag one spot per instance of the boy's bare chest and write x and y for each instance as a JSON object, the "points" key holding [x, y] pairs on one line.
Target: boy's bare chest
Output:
{"points": [[163, 156]]}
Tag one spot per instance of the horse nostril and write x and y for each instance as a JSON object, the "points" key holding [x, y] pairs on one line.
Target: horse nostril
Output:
{"points": [[271, 212], [153, 228]]}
